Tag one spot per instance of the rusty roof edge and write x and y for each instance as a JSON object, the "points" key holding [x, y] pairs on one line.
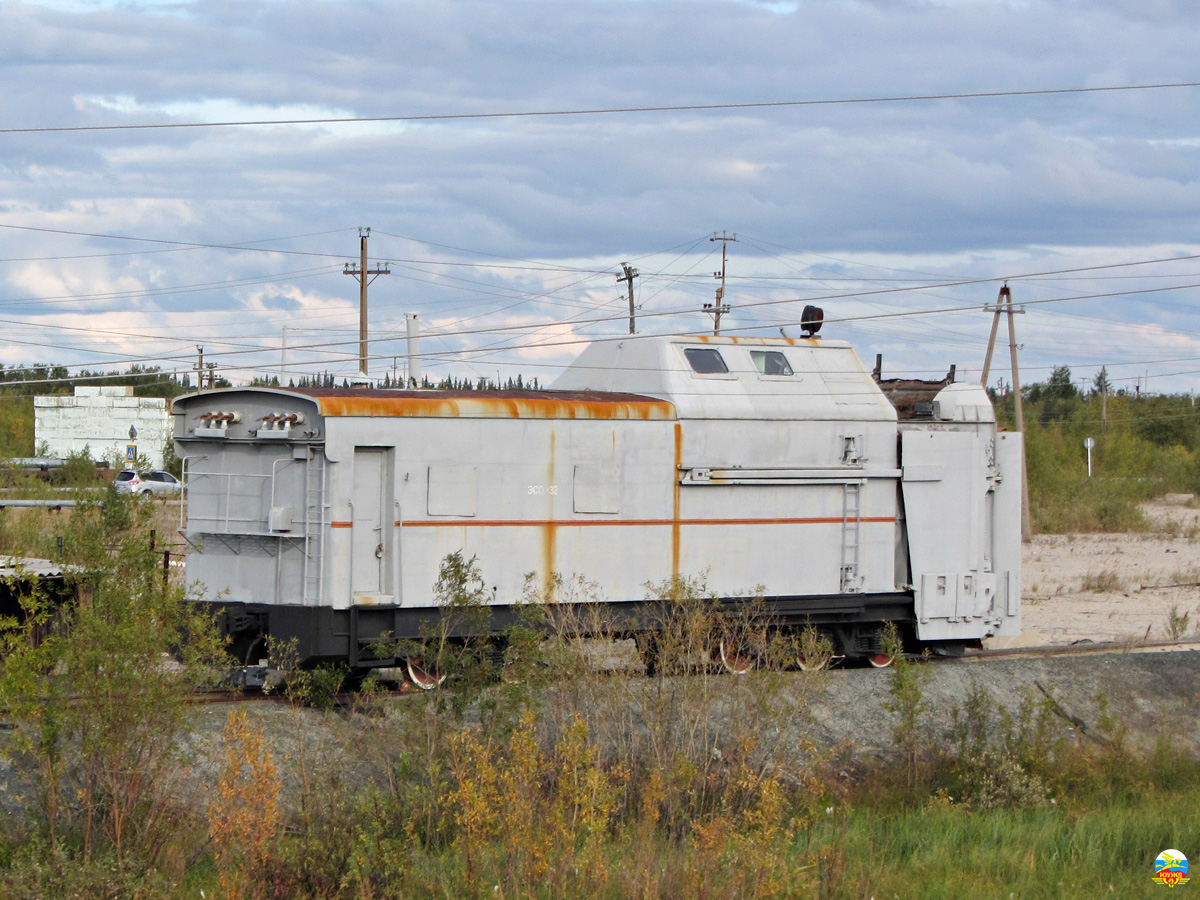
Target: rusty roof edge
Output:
{"points": [[436, 403], [493, 404]]}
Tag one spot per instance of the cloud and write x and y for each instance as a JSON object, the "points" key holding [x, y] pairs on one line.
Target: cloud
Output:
{"points": [[939, 189]]}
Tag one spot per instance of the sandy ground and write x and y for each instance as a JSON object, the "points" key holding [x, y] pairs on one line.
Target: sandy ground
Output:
{"points": [[1115, 587]]}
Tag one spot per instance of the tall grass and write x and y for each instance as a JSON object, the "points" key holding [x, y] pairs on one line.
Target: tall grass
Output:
{"points": [[590, 783], [582, 781], [546, 808], [539, 770], [946, 852], [1151, 446]]}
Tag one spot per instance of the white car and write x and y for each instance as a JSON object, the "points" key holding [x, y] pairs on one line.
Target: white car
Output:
{"points": [[146, 484]]}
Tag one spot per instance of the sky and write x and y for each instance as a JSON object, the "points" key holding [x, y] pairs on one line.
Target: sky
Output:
{"points": [[836, 139]]}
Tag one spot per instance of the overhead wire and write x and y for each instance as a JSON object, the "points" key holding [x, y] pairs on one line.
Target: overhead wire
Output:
{"points": [[179, 249], [677, 279], [248, 247], [601, 111], [774, 303], [761, 305], [167, 291]]}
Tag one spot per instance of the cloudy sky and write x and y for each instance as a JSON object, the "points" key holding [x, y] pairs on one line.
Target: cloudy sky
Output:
{"points": [[505, 233]]}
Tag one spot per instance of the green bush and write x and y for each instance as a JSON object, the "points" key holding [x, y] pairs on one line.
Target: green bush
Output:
{"points": [[97, 689]]}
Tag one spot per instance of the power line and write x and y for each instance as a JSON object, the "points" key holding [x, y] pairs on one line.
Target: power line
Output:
{"points": [[758, 304], [178, 249], [689, 310], [616, 110], [175, 246], [168, 291], [180, 244]]}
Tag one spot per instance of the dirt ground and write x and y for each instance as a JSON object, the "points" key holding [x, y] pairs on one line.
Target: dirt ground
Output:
{"points": [[1115, 587]]}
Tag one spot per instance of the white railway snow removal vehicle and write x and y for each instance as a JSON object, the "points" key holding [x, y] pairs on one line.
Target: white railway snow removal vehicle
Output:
{"points": [[778, 469]]}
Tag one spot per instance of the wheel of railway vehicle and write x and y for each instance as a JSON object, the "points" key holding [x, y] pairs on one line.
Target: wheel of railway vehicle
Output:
{"points": [[881, 660], [734, 659], [815, 649], [424, 678], [816, 664]]}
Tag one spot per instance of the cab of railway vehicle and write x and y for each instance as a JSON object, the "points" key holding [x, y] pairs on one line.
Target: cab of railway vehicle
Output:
{"points": [[775, 468]]}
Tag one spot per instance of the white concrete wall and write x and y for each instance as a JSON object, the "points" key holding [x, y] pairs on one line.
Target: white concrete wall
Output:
{"points": [[99, 419]]}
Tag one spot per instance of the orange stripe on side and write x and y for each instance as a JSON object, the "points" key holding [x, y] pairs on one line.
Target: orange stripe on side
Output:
{"points": [[616, 523], [341, 524]]}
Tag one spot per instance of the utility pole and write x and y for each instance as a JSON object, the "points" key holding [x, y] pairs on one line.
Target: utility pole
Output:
{"points": [[630, 274], [1104, 400], [1004, 304], [1026, 519], [987, 359], [719, 308], [413, 330], [199, 369], [361, 273]]}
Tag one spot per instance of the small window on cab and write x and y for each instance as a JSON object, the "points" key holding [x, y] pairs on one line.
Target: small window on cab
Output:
{"points": [[705, 361], [770, 362]]}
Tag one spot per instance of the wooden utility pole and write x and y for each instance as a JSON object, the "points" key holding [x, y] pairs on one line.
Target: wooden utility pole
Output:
{"points": [[1103, 379], [987, 359], [630, 274], [1005, 298], [719, 308], [1004, 304], [361, 273]]}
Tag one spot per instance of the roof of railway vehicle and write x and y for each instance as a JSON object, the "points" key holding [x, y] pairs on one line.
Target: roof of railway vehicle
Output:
{"points": [[646, 377], [822, 379], [438, 403]]}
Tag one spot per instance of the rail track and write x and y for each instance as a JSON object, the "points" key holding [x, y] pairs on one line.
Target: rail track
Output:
{"points": [[406, 688], [345, 699], [1079, 648]]}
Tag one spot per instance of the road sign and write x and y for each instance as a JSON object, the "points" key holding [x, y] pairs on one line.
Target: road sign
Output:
{"points": [[131, 453]]}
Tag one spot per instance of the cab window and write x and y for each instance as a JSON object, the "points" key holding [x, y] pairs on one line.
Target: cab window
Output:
{"points": [[705, 361], [770, 362]]}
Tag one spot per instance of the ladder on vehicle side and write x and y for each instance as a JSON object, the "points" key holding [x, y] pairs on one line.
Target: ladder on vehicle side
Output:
{"points": [[314, 524], [851, 525]]}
